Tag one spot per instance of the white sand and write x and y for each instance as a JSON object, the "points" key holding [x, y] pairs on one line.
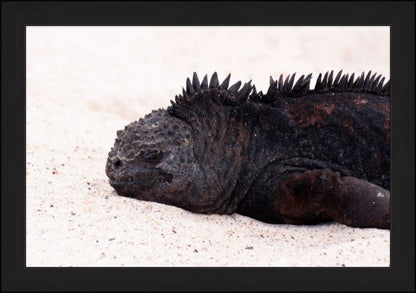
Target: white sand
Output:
{"points": [[85, 83]]}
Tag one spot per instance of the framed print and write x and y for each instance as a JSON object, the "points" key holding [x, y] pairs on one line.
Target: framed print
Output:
{"points": [[105, 178]]}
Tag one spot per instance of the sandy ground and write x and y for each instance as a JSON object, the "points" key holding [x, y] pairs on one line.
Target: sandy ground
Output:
{"points": [[85, 83]]}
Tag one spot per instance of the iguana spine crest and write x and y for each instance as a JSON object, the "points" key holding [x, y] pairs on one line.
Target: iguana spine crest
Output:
{"points": [[279, 88]]}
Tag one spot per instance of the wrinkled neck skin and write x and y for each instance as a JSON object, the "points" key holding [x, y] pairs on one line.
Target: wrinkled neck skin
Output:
{"points": [[226, 149]]}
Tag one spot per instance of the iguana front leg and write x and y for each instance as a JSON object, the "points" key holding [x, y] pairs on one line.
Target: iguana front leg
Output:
{"points": [[320, 195]]}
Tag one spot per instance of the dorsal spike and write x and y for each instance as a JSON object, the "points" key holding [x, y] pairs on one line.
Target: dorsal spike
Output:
{"points": [[234, 88], [307, 80], [337, 78], [244, 92], [367, 80], [271, 80], [375, 83], [254, 90], [214, 81], [343, 82], [304, 85], [195, 82], [224, 84], [280, 82], [309, 76], [330, 79], [292, 79], [204, 84], [325, 80], [271, 92], [185, 95], [189, 88], [370, 84], [380, 84], [359, 83], [284, 88], [298, 84], [318, 84], [351, 81]]}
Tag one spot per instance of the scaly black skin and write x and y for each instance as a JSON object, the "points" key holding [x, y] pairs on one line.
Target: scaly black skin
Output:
{"points": [[292, 155]]}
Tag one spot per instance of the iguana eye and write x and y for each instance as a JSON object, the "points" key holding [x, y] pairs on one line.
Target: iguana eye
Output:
{"points": [[152, 156]]}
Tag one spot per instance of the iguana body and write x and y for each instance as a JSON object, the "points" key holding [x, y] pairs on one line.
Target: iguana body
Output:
{"points": [[292, 155]]}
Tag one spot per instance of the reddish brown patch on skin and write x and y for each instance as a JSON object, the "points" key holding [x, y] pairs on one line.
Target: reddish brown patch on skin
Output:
{"points": [[360, 102], [348, 124], [311, 115], [329, 109], [304, 197]]}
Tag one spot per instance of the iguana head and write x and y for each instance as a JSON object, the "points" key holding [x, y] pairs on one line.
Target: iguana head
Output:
{"points": [[188, 155], [153, 158]]}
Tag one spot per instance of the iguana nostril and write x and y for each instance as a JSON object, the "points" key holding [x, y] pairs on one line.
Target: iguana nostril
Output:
{"points": [[117, 163]]}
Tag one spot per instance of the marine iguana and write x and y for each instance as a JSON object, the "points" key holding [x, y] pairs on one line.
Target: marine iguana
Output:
{"points": [[291, 155]]}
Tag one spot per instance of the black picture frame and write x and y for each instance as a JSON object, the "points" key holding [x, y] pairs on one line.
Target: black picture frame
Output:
{"points": [[16, 15]]}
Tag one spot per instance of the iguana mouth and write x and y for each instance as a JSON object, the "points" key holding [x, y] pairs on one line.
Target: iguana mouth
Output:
{"points": [[142, 179], [142, 182]]}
